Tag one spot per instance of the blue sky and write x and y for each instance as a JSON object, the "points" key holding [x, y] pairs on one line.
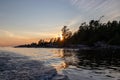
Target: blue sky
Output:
{"points": [[23, 21]]}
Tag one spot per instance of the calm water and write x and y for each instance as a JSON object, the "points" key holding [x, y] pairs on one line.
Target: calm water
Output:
{"points": [[77, 65]]}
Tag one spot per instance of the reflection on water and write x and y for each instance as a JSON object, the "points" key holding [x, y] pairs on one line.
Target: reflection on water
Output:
{"points": [[107, 58], [92, 64], [92, 58], [68, 57], [65, 57], [62, 58], [100, 64]]}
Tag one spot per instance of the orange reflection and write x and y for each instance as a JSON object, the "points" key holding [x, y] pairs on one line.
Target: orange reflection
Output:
{"points": [[63, 65], [59, 53]]}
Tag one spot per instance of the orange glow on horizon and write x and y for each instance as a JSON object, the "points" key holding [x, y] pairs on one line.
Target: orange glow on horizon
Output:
{"points": [[15, 42]]}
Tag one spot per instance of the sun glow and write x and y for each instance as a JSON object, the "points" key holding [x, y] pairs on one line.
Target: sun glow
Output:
{"points": [[61, 37]]}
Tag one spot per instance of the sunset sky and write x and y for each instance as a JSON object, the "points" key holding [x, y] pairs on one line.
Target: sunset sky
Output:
{"points": [[25, 21]]}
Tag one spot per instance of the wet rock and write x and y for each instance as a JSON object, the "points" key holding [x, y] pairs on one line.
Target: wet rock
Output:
{"points": [[109, 76], [60, 77]]}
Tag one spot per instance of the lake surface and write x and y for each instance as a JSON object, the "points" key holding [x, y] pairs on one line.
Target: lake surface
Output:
{"points": [[77, 65]]}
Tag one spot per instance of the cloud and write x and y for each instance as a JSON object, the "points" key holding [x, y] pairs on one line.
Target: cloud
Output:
{"points": [[39, 34], [26, 35], [8, 38], [117, 18], [96, 8], [74, 21], [5, 33]]}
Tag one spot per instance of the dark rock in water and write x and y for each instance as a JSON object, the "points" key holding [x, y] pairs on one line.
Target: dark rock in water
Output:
{"points": [[12, 68], [60, 77]]}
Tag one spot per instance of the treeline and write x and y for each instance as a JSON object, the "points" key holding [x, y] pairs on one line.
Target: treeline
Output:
{"points": [[54, 42], [90, 34], [94, 32]]}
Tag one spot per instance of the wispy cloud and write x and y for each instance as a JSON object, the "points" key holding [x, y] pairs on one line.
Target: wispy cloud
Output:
{"points": [[26, 35], [96, 8], [9, 34], [6, 33], [74, 21], [9, 38], [40, 34]]}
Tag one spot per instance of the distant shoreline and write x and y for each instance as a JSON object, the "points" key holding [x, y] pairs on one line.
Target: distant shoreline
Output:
{"points": [[80, 47]]}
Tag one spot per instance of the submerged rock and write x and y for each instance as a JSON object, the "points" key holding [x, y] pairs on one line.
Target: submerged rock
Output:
{"points": [[60, 77]]}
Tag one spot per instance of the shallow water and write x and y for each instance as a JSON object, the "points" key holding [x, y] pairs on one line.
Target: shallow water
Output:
{"points": [[65, 61]]}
